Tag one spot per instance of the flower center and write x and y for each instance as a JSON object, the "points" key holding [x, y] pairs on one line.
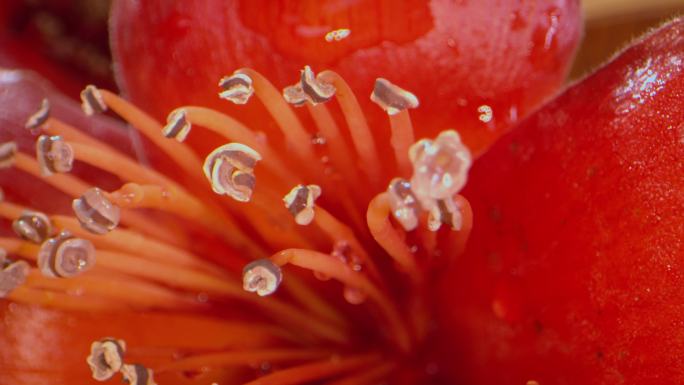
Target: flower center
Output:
{"points": [[126, 249]]}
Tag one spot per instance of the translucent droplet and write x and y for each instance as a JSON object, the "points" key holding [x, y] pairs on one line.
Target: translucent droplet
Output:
{"points": [[354, 296], [405, 207]]}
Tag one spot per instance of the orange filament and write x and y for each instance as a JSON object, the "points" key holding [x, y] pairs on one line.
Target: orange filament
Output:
{"points": [[293, 130], [57, 300], [331, 267], [235, 131], [318, 370], [358, 127], [183, 156], [402, 138], [245, 357], [388, 237]]}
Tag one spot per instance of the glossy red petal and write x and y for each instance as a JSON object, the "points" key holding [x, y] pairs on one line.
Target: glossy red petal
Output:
{"points": [[573, 273], [460, 58]]}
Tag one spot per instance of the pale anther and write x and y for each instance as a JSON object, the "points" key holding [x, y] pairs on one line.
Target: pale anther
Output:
{"points": [[65, 256], [236, 88], [33, 226], [54, 155], [96, 212], [92, 101], [393, 99], [337, 35], [404, 205], [262, 277], [106, 358], [137, 374], [39, 117], [8, 151], [445, 212], [229, 169], [440, 167], [177, 126], [308, 89], [300, 202], [12, 274]]}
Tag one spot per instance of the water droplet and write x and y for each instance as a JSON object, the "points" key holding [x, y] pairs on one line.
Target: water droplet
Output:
{"points": [[354, 296]]}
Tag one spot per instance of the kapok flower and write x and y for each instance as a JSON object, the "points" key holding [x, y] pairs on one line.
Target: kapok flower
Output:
{"points": [[169, 252]]}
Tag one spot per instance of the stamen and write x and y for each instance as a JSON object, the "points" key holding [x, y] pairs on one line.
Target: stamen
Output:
{"points": [[33, 226], [39, 117], [445, 212], [137, 374], [440, 167], [66, 256], [392, 98], [244, 357], [236, 88], [300, 202], [54, 155], [405, 207], [12, 274], [261, 276], [8, 152], [177, 126], [92, 101], [337, 35], [95, 212], [106, 358], [308, 89], [229, 168]]}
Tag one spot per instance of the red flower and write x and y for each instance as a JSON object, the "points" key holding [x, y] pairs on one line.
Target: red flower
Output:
{"points": [[570, 273]]}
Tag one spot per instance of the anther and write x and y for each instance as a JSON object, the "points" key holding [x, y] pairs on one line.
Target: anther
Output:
{"points": [[54, 155], [33, 226], [404, 205], [65, 256], [8, 150], [262, 277], [300, 202], [237, 88], [393, 99], [445, 212], [337, 35], [177, 126], [92, 101], [106, 358], [39, 117], [12, 274], [309, 89], [440, 167], [137, 374], [96, 212], [229, 169]]}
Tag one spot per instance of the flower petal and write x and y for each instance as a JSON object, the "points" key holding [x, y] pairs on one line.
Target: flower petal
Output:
{"points": [[573, 273], [476, 66]]}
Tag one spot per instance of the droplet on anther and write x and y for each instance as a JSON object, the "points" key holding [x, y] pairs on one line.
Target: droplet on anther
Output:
{"points": [[39, 117], [106, 358], [440, 167], [137, 374], [96, 212], [12, 274], [92, 101], [8, 151], [445, 212], [404, 205], [65, 256], [308, 89], [33, 226], [262, 277], [392, 98], [237, 88], [229, 169], [54, 155], [300, 202], [177, 126]]}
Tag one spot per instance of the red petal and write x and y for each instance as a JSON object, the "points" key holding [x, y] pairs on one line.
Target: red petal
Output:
{"points": [[574, 270], [456, 56]]}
